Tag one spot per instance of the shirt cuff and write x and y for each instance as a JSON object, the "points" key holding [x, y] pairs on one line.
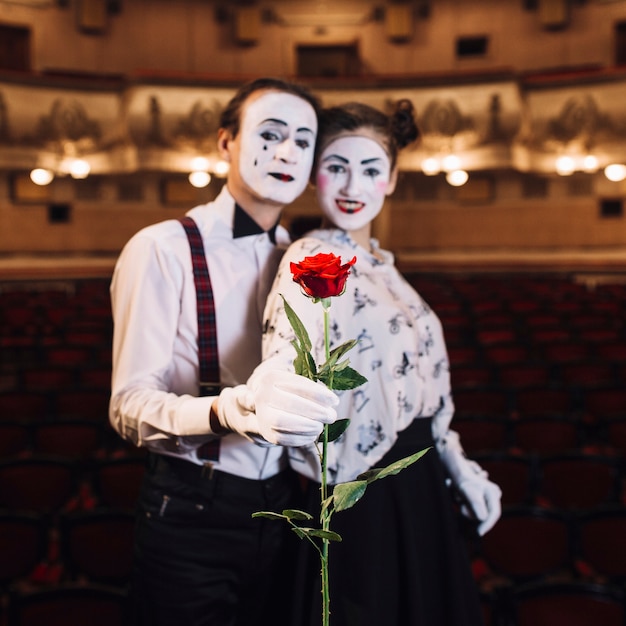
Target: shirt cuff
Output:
{"points": [[193, 416]]}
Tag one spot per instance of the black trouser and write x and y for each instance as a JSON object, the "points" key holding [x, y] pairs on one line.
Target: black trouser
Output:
{"points": [[200, 558]]}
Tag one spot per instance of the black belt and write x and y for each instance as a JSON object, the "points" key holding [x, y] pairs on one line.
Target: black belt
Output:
{"points": [[195, 474]]}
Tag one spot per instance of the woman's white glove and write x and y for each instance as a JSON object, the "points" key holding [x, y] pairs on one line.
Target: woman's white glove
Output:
{"points": [[480, 497], [277, 407]]}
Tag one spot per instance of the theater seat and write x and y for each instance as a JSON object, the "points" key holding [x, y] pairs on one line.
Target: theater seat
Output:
{"points": [[579, 481], [98, 545], [528, 543], [546, 435], [116, 481], [68, 604], [601, 542], [567, 604], [23, 542], [513, 472], [37, 483]]}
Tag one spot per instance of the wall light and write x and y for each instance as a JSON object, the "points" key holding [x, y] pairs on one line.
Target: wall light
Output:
{"points": [[199, 179], [565, 165], [221, 168], [431, 166], [590, 163], [451, 162], [200, 164], [79, 168], [41, 176], [457, 178], [615, 172]]}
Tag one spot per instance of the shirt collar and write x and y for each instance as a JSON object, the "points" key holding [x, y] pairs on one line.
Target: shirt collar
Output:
{"points": [[341, 238], [244, 225]]}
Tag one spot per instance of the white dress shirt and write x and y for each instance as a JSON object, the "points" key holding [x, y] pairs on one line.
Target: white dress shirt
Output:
{"points": [[154, 399]]}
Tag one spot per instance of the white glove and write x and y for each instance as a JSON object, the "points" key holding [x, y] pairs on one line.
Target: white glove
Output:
{"points": [[481, 497], [278, 407]]}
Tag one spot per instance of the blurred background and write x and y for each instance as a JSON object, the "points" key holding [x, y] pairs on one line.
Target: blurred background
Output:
{"points": [[508, 218]]}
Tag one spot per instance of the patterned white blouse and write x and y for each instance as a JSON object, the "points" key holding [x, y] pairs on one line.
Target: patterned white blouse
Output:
{"points": [[401, 351]]}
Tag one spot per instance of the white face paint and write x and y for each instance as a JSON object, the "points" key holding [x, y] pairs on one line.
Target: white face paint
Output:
{"points": [[277, 140], [353, 179]]}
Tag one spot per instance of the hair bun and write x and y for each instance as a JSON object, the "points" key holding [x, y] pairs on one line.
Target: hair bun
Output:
{"points": [[403, 125]]}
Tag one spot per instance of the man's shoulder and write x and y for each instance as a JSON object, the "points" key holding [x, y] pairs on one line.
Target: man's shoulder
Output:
{"points": [[172, 227], [208, 217], [160, 231]]}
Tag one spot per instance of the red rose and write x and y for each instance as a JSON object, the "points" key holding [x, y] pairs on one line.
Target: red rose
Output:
{"points": [[322, 275]]}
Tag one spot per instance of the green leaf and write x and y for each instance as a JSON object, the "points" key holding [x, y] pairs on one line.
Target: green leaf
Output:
{"points": [[328, 369], [335, 354], [342, 365], [339, 351], [370, 475], [377, 473], [303, 363], [324, 534], [300, 364], [312, 366], [335, 430], [307, 533], [298, 327], [269, 515], [326, 504], [346, 495], [301, 532], [346, 378], [292, 514]]}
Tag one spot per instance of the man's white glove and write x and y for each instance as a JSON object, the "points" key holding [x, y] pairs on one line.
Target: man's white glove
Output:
{"points": [[277, 407], [481, 497]]}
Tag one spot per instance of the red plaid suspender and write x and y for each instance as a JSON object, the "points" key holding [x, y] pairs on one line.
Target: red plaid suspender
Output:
{"points": [[207, 333]]}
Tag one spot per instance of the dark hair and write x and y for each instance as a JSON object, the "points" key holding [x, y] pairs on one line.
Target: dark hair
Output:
{"points": [[230, 118], [397, 130]]}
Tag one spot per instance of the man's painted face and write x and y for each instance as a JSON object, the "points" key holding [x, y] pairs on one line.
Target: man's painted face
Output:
{"points": [[277, 138], [353, 178]]}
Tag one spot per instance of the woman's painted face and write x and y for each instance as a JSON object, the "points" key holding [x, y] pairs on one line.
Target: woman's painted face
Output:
{"points": [[277, 139], [353, 178]]}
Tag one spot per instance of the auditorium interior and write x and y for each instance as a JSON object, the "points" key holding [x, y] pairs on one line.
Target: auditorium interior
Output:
{"points": [[508, 218]]}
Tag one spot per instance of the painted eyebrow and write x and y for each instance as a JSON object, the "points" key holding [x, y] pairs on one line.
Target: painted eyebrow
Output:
{"points": [[335, 156], [344, 160], [273, 120]]}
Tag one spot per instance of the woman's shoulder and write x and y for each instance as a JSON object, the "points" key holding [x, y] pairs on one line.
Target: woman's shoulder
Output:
{"points": [[315, 242]]}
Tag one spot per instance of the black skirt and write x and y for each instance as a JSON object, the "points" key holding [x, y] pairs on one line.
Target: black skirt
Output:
{"points": [[402, 559]]}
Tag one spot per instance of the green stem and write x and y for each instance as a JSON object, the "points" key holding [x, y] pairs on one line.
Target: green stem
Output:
{"points": [[325, 435], [326, 332], [325, 588], [325, 515]]}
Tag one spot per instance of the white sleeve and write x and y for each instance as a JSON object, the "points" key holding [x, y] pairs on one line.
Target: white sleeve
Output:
{"points": [[146, 302]]}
